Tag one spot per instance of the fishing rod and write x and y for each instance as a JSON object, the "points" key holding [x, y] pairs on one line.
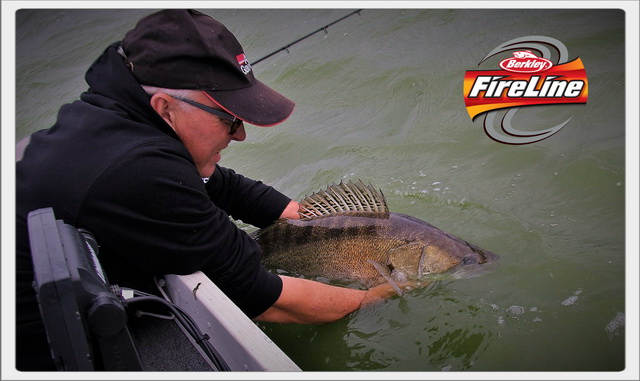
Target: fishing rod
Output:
{"points": [[324, 28]]}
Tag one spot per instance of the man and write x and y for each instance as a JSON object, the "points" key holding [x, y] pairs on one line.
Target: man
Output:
{"points": [[134, 161]]}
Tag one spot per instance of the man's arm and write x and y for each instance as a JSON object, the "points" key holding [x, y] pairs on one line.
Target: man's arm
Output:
{"points": [[245, 199], [307, 302]]}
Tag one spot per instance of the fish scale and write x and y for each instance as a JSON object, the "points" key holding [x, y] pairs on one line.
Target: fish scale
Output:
{"points": [[310, 249]]}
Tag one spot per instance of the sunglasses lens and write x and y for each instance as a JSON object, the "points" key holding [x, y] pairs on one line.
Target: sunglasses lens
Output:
{"points": [[234, 127]]}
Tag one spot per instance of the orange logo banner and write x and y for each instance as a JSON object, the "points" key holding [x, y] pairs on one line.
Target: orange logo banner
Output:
{"points": [[487, 90]]}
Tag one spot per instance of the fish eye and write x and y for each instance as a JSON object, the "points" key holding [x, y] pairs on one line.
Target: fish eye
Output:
{"points": [[469, 259]]}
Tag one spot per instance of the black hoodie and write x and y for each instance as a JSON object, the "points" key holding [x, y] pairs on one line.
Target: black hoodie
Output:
{"points": [[111, 165]]}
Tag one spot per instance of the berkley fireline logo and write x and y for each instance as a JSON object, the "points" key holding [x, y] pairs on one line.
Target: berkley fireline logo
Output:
{"points": [[526, 79]]}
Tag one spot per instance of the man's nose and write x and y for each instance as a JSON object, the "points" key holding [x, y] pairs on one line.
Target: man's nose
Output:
{"points": [[240, 134]]}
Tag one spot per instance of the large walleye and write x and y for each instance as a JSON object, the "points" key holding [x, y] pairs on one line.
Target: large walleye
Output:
{"points": [[347, 232]]}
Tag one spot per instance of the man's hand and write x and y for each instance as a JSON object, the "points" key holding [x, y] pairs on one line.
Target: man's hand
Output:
{"points": [[385, 290], [291, 211]]}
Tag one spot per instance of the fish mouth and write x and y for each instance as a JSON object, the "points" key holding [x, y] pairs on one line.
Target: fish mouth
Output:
{"points": [[472, 271], [478, 256], [475, 264], [488, 256]]}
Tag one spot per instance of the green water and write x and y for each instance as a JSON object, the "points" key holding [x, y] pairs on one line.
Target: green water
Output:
{"points": [[379, 98]]}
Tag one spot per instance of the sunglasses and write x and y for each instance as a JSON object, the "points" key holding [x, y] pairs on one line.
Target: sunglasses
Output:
{"points": [[235, 122]]}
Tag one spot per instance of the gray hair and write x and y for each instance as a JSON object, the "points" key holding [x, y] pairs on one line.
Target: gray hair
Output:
{"points": [[151, 90], [179, 93]]}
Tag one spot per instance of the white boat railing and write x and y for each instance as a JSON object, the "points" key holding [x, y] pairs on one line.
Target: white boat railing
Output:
{"points": [[242, 345]]}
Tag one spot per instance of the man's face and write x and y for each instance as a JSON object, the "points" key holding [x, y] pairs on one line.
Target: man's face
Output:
{"points": [[204, 135]]}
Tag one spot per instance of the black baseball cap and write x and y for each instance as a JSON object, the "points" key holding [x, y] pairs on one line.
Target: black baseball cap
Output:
{"points": [[187, 49]]}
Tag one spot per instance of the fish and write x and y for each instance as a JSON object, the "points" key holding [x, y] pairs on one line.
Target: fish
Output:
{"points": [[347, 233]]}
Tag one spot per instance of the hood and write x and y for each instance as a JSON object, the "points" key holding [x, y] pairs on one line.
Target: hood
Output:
{"points": [[113, 86]]}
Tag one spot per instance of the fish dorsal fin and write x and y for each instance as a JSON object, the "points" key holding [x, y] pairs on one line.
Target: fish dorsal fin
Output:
{"points": [[344, 197]]}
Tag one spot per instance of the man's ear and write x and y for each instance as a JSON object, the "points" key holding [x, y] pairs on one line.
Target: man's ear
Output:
{"points": [[161, 102]]}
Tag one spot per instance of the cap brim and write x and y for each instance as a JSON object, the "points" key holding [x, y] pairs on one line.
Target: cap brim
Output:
{"points": [[257, 104]]}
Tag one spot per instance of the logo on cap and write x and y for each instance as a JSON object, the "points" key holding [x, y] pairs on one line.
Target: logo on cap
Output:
{"points": [[245, 66]]}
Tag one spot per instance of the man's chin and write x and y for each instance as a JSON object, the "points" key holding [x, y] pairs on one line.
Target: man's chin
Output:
{"points": [[208, 172]]}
